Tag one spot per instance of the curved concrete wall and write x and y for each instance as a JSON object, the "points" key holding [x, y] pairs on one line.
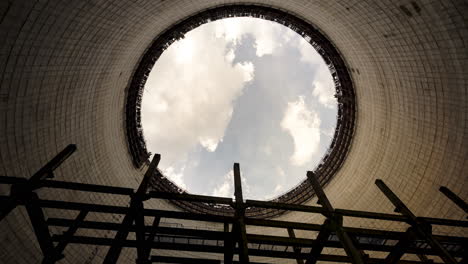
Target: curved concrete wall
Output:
{"points": [[65, 66]]}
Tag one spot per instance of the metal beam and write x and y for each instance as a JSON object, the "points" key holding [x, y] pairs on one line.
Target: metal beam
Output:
{"points": [[322, 239], [240, 216], [399, 249], [454, 198], [421, 228], [47, 170], [220, 200], [145, 255], [216, 249], [69, 233], [284, 206], [21, 190], [227, 236], [112, 209], [336, 221], [228, 245], [86, 187], [190, 197], [41, 230], [296, 249], [136, 209], [179, 260], [425, 260]]}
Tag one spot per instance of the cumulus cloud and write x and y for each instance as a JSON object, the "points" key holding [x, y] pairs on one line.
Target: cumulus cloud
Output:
{"points": [[189, 103], [176, 177], [267, 37], [303, 125], [226, 187], [278, 188], [189, 95], [323, 86]]}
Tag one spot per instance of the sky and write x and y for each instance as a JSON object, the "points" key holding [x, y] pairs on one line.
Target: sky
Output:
{"points": [[240, 90]]}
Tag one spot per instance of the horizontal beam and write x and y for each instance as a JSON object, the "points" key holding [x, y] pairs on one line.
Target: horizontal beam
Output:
{"points": [[362, 232], [420, 227], [215, 249], [228, 201], [190, 197], [85, 187], [370, 215], [284, 206], [189, 232], [179, 260], [454, 198], [123, 210], [220, 235]]}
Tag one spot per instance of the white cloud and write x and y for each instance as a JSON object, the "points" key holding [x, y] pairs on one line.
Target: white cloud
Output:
{"points": [[323, 86], [267, 33], [190, 93], [304, 127], [278, 188], [176, 177], [330, 132], [209, 144], [280, 172], [226, 188], [324, 91]]}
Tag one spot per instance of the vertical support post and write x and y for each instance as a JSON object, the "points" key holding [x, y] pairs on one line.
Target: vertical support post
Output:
{"points": [[144, 257], [228, 244], [21, 191], [422, 229], [136, 206], [36, 215], [336, 222], [297, 250], [322, 238], [240, 215], [425, 260], [399, 249], [139, 229], [454, 198]]}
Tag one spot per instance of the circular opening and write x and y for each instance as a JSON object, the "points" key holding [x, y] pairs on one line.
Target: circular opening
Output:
{"points": [[344, 94], [242, 90]]}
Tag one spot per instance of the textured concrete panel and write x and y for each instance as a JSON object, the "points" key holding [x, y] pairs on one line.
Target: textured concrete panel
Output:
{"points": [[65, 66]]}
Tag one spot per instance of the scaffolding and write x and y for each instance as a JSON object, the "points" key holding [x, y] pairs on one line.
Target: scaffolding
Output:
{"points": [[234, 244]]}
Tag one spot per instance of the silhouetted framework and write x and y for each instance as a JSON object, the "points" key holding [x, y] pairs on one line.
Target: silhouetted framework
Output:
{"points": [[233, 242], [335, 155]]}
